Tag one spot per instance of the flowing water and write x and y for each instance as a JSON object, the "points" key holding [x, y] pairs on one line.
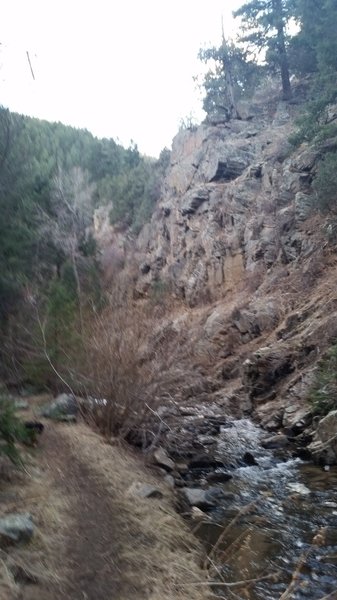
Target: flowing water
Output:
{"points": [[279, 527]]}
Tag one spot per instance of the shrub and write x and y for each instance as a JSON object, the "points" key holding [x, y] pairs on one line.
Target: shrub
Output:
{"points": [[323, 394], [11, 430], [116, 372], [325, 184]]}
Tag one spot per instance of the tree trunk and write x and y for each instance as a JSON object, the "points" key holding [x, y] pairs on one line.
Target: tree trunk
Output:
{"points": [[227, 69], [281, 47]]}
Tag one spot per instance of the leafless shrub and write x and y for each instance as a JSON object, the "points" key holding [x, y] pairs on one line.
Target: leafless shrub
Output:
{"points": [[119, 386]]}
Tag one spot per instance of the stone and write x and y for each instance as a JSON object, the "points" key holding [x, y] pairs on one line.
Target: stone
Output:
{"points": [[275, 441], [21, 405], [144, 490], [205, 499], [198, 497], [64, 404], [205, 461], [297, 418], [182, 468], [197, 514], [169, 480], [161, 458], [67, 418], [324, 445], [16, 528], [218, 477], [249, 459]]}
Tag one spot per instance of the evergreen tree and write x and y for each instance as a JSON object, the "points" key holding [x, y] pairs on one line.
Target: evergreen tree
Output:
{"points": [[232, 77], [264, 28]]}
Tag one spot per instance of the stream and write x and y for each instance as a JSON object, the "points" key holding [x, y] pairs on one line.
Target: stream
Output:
{"points": [[277, 526]]}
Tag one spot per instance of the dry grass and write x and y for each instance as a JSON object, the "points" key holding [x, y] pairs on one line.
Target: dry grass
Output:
{"points": [[160, 553], [33, 492]]}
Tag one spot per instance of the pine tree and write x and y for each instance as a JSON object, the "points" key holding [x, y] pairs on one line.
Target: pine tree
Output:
{"points": [[264, 28]]}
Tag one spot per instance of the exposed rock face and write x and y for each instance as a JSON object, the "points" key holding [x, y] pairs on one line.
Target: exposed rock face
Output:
{"points": [[230, 210], [235, 240]]}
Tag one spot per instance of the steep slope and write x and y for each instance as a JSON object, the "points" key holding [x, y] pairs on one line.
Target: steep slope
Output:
{"points": [[236, 243]]}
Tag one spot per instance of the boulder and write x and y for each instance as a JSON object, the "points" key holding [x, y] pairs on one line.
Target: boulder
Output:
{"points": [[324, 445], [16, 528], [161, 458], [206, 462], [144, 490], [205, 499], [297, 418], [275, 441], [218, 477], [198, 497], [64, 404]]}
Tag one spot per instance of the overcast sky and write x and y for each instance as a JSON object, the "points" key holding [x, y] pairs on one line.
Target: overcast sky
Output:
{"points": [[120, 68]]}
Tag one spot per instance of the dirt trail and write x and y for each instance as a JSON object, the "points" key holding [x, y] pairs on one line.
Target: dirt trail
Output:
{"points": [[96, 540], [91, 551]]}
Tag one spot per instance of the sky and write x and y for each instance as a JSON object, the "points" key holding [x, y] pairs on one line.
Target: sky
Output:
{"points": [[119, 68]]}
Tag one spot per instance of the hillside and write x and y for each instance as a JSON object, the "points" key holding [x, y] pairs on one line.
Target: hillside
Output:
{"points": [[242, 262], [182, 312]]}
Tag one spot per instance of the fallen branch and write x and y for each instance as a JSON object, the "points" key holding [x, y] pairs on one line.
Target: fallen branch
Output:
{"points": [[234, 584]]}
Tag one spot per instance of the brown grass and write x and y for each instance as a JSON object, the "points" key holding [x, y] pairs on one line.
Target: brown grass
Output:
{"points": [[159, 551], [35, 493]]}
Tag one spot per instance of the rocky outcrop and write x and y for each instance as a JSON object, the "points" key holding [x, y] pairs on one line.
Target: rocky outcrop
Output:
{"points": [[324, 445], [235, 242]]}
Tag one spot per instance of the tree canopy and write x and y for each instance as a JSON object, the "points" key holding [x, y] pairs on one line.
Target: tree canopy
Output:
{"points": [[52, 177]]}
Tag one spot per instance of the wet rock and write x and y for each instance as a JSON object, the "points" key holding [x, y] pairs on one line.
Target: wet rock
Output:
{"points": [[16, 528], [324, 445], [206, 440], [218, 477], [249, 459], [144, 490], [205, 461], [275, 441], [64, 404], [161, 458]]}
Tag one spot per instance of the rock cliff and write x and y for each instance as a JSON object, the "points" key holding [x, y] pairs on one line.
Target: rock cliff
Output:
{"points": [[235, 241]]}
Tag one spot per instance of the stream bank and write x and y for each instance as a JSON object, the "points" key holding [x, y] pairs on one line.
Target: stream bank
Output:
{"points": [[262, 512]]}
